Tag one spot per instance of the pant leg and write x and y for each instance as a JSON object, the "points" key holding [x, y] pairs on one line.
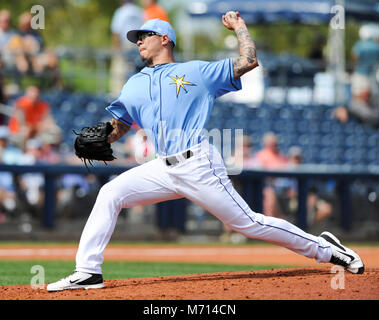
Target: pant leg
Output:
{"points": [[206, 182], [142, 185]]}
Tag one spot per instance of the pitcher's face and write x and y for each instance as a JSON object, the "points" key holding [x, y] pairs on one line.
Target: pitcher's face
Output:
{"points": [[149, 45]]}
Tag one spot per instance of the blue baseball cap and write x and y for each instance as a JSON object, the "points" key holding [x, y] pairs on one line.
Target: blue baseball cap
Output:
{"points": [[154, 25]]}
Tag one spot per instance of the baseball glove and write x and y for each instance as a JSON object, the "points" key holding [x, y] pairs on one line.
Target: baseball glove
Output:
{"points": [[92, 143]]}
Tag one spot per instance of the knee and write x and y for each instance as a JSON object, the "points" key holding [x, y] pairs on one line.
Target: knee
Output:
{"points": [[244, 223], [118, 195], [109, 194], [105, 190]]}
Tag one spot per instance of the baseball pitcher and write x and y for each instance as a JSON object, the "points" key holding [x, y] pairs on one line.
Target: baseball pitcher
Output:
{"points": [[172, 102]]}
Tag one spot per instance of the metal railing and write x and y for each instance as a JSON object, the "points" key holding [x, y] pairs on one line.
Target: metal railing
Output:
{"points": [[252, 181]]}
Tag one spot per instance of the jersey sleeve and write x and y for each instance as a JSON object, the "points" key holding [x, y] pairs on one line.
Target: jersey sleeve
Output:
{"points": [[118, 111], [218, 77]]}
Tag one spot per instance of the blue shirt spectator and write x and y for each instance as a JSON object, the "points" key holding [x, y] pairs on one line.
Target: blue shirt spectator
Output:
{"points": [[127, 17], [367, 52], [5, 32]]}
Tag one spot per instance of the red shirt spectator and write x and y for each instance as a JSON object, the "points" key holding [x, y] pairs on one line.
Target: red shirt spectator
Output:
{"points": [[34, 111], [152, 10], [270, 157]]}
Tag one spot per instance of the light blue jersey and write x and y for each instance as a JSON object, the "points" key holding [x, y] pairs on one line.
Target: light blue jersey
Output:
{"points": [[172, 102]]}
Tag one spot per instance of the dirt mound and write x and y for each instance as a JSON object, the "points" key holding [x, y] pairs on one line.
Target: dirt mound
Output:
{"points": [[278, 284]]}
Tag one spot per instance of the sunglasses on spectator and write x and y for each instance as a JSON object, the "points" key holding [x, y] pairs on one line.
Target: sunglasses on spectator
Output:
{"points": [[143, 35]]}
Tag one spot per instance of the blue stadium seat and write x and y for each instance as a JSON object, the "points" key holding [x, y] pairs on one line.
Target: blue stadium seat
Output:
{"points": [[373, 140], [312, 127], [326, 126], [328, 113], [325, 155], [286, 114], [264, 114], [302, 126], [356, 140], [373, 156], [304, 140], [310, 113], [92, 107]]}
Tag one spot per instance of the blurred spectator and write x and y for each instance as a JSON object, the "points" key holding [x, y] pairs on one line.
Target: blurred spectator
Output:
{"points": [[295, 157], [5, 32], [4, 135], [318, 209], [364, 104], [127, 17], [25, 45], [244, 157], [49, 151], [152, 10], [171, 218], [23, 52], [21, 195], [7, 196], [366, 56], [6, 35], [3, 96], [47, 68], [29, 186], [270, 158], [32, 117], [7, 192], [32, 39], [75, 193], [316, 53]]}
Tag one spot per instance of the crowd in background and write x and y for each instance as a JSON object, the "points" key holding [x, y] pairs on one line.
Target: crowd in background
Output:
{"points": [[364, 104], [23, 52], [30, 135], [28, 132], [125, 55], [270, 157]]}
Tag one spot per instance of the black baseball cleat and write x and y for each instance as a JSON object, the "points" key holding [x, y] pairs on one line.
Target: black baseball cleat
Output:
{"points": [[343, 256], [78, 280]]}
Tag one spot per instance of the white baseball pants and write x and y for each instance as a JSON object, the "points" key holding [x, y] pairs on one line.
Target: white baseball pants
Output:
{"points": [[203, 179]]}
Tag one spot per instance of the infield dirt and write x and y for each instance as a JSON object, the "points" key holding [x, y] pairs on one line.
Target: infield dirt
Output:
{"points": [[314, 281]]}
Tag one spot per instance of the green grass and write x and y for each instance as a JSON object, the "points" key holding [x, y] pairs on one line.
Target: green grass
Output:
{"points": [[14, 272]]}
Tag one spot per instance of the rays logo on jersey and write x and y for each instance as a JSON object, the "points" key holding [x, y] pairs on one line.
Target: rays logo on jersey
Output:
{"points": [[180, 83]]}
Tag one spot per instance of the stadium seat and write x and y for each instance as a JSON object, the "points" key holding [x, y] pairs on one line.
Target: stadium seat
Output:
{"points": [[312, 127]]}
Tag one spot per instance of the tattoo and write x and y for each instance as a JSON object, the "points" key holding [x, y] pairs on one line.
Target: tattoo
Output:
{"points": [[247, 59], [119, 130]]}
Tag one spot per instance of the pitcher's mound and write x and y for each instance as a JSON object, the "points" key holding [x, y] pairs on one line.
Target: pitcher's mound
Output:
{"points": [[278, 284]]}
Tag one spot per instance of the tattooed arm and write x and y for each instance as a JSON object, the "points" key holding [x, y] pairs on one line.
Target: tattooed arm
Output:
{"points": [[247, 59], [119, 130]]}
